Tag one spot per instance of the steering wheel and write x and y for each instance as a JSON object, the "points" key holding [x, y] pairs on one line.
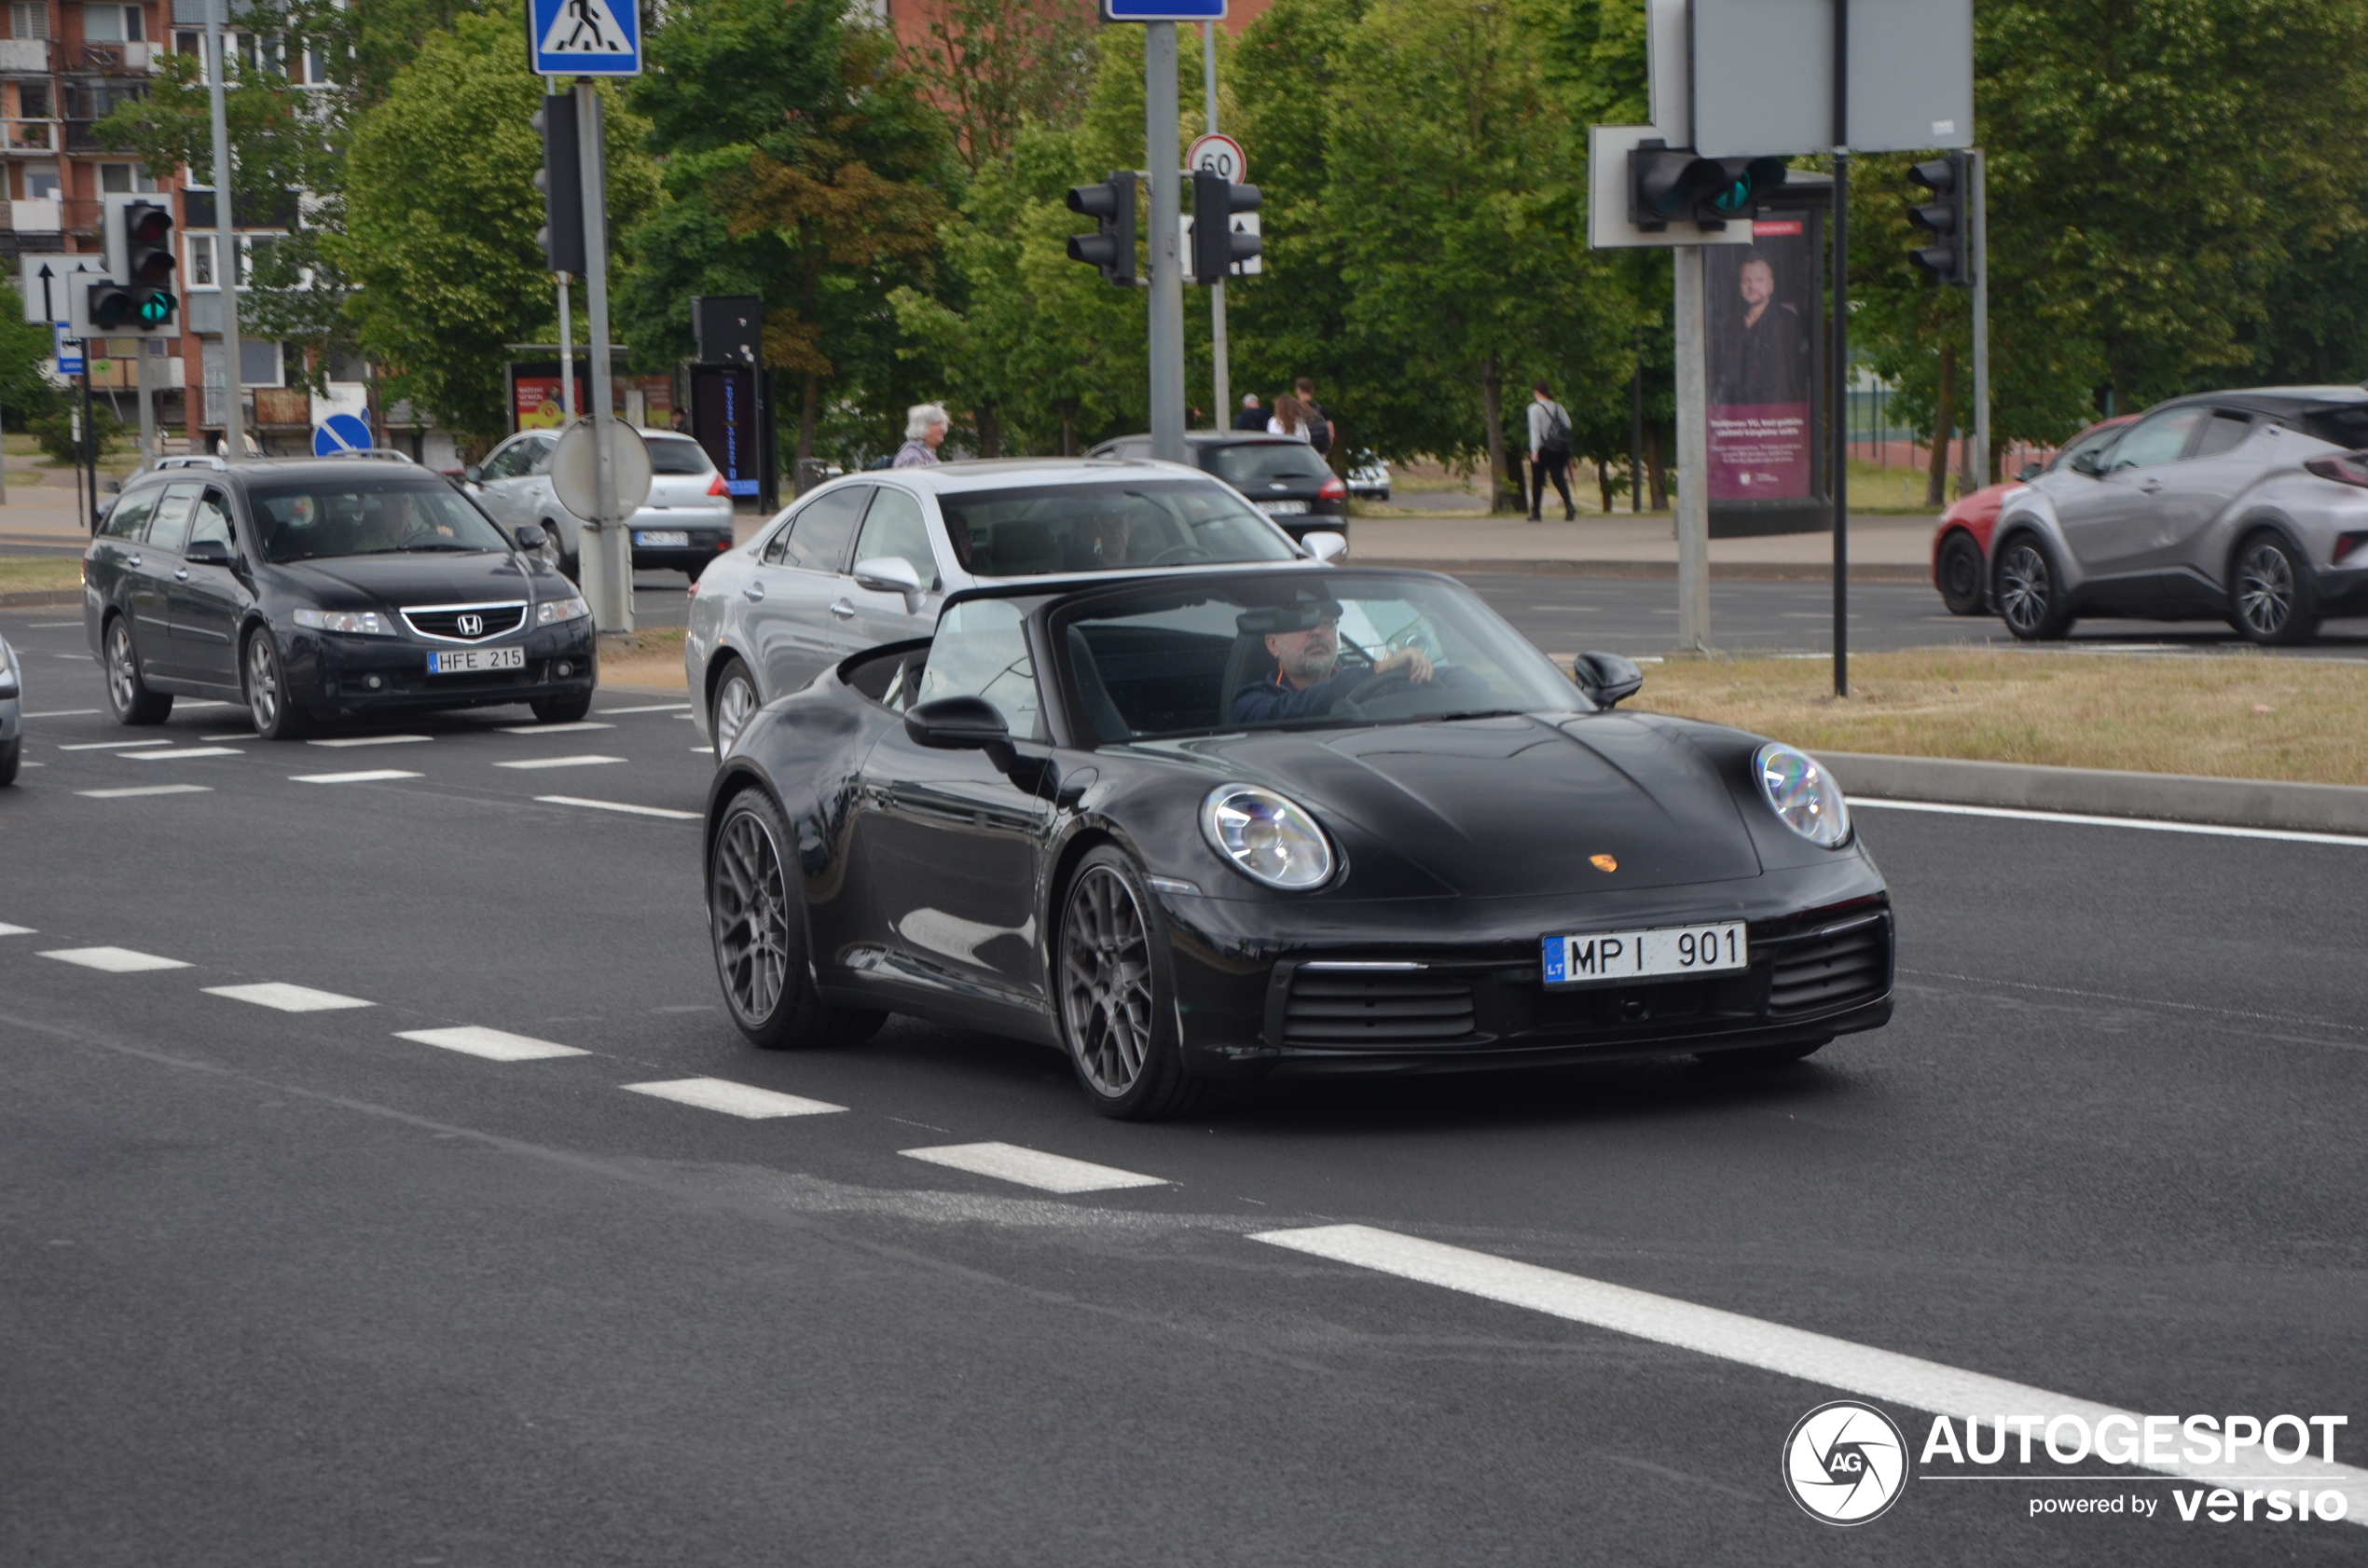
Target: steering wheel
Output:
{"points": [[1179, 553], [1375, 685]]}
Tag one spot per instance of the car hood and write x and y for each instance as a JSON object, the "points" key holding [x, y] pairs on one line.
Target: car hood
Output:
{"points": [[1510, 807], [394, 581]]}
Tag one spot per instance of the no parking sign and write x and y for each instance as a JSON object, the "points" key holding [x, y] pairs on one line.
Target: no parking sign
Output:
{"points": [[341, 432]]}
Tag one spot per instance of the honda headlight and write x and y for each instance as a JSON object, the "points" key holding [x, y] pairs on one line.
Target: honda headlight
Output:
{"points": [[353, 623], [1268, 837], [1802, 793], [553, 610]]}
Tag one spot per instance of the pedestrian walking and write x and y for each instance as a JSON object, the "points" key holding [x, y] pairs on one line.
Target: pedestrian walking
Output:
{"points": [[925, 425], [1549, 452], [1252, 416], [1319, 423], [1291, 419]]}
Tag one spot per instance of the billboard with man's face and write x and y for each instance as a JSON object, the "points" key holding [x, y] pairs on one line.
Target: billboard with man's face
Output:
{"points": [[1762, 324]]}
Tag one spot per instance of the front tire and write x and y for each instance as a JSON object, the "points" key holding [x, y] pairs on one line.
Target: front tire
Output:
{"points": [[128, 695], [2269, 593], [2029, 592], [567, 708], [10, 755], [1958, 575], [270, 703], [1113, 980], [735, 705], [756, 920]]}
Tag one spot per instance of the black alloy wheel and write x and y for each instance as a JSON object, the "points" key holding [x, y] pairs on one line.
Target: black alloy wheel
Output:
{"points": [[734, 705], [1959, 574], [269, 702], [2269, 597], [128, 696], [757, 920], [2027, 592], [1111, 979]]}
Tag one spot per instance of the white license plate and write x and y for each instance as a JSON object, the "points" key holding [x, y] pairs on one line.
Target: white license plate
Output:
{"points": [[662, 539], [469, 661], [1600, 958], [1283, 508]]}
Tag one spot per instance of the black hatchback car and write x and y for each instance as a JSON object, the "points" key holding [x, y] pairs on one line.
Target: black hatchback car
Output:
{"points": [[313, 588], [1284, 478]]}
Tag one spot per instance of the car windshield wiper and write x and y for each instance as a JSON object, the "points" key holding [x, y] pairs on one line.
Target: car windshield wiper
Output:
{"points": [[424, 549]]}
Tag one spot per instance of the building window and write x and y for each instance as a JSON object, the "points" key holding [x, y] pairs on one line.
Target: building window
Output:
{"points": [[201, 261], [112, 24], [33, 101], [124, 179], [28, 18], [41, 184]]}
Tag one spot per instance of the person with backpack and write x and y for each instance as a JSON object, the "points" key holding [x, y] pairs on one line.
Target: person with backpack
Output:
{"points": [[1549, 452], [1319, 423]]}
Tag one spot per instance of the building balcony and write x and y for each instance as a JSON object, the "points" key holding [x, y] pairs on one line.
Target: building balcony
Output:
{"points": [[81, 137], [24, 55], [28, 135], [117, 59], [36, 217]]}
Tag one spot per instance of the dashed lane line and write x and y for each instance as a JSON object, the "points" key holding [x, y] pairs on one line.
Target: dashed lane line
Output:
{"points": [[110, 745], [233, 735], [113, 960], [64, 713], [577, 728], [732, 1099], [584, 761], [147, 790], [1028, 1167], [494, 1045], [8, 930], [620, 805], [193, 751], [650, 708], [203, 702], [2075, 820], [360, 775], [371, 740], [53, 626], [1774, 1347], [284, 997]]}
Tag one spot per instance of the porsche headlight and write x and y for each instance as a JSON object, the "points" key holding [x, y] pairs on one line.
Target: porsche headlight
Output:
{"points": [[1802, 793], [354, 623], [1269, 838], [552, 610]]}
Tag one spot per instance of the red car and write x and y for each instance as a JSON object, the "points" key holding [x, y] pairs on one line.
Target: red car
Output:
{"points": [[1960, 546]]}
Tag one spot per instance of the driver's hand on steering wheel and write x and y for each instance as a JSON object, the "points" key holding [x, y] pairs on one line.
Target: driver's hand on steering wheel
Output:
{"points": [[1414, 661]]}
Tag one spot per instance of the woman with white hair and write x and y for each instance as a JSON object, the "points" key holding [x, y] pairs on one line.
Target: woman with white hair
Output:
{"points": [[924, 434]]}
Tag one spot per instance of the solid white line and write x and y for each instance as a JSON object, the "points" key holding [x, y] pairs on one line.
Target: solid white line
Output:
{"points": [[1053, 1172], [113, 960], [651, 707], [1793, 1353], [579, 725], [619, 806], [64, 713], [560, 761], [371, 740], [732, 1099], [110, 745], [192, 751], [149, 789], [2149, 824], [286, 997], [494, 1045], [364, 776], [8, 930]]}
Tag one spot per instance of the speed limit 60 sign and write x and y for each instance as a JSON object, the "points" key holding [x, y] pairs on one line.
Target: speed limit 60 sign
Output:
{"points": [[1220, 155]]}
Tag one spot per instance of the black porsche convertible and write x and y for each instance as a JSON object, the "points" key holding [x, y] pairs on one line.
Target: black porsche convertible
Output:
{"points": [[1211, 826]]}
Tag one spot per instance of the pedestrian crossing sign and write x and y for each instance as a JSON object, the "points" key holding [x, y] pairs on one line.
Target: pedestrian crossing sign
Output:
{"points": [[585, 37]]}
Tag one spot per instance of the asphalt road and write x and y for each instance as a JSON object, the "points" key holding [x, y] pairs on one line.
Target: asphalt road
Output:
{"points": [[288, 1287]]}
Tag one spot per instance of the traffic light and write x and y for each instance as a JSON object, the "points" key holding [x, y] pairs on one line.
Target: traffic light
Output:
{"points": [[138, 296], [1110, 247], [562, 181], [1670, 185], [1214, 246], [1950, 258]]}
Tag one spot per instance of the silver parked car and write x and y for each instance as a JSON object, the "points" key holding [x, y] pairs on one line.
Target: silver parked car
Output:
{"points": [[11, 713], [2245, 506], [868, 559], [685, 523]]}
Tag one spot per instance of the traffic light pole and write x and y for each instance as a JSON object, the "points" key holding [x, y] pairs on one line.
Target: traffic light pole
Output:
{"points": [[567, 350], [148, 407], [1838, 402], [608, 565], [1977, 242], [226, 240], [1221, 373], [1167, 266], [1693, 454]]}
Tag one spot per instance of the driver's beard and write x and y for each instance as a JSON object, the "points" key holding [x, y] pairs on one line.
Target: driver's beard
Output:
{"points": [[1307, 667]]}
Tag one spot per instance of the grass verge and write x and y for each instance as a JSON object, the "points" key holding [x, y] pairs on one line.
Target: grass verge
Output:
{"points": [[2237, 716], [34, 573], [645, 658]]}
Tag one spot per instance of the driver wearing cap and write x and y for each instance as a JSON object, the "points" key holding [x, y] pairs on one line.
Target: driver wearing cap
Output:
{"points": [[1304, 640]]}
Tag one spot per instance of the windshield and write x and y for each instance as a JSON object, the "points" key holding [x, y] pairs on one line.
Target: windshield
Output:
{"points": [[1249, 652], [310, 519], [1255, 462], [1107, 527], [677, 457]]}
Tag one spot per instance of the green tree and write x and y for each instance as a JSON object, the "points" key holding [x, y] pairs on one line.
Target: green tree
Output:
{"points": [[997, 65], [25, 392]]}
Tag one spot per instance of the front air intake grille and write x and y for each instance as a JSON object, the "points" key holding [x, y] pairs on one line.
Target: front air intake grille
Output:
{"points": [[1833, 968], [466, 622], [1387, 1009]]}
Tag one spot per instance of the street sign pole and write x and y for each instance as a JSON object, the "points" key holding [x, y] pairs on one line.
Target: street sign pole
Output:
{"points": [[567, 350], [1979, 211], [148, 407], [1167, 263], [90, 448], [608, 566], [225, 243], [1838, 430], [1221, 373], [1693, 455]]}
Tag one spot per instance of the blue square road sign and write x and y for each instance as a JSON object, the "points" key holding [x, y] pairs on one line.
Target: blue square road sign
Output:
{"points": [[584, 37], [1163, 11]]}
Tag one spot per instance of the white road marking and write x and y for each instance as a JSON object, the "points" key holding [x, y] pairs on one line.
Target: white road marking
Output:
{"points": [[1053, 1172], [110, 745], [53, 626], [371, 740], [585, 760], [651, 707], [147, 790], [203, 702], [1793, 1353], [85, 657], [2075, 820], [703, 750], [732, 1099], [286, 997], [64, 713], [578, 726], [8, 930], [192, 751], [619, 806], [363, 776], [232, 735], [113, 960], [492, 1044]]}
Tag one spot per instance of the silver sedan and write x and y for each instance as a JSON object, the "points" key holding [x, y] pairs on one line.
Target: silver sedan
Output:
{"points": [[11, 713], [868, 559]]}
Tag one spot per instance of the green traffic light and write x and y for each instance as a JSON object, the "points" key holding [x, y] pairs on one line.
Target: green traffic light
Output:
{"points": [[156, 308]]}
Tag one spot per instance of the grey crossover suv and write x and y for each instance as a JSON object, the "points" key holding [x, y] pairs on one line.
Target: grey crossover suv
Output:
{"points": [[2245, 506]]}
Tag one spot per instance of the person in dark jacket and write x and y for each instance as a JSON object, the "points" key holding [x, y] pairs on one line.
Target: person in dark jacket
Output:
{"points": [[1304, 641], [1252, 416]]}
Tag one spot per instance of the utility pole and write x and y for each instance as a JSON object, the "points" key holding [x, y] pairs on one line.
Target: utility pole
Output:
{"points": [[1637, 428], [1838, 434], [148, 407], [226, 240], [1979, 213], [1693, 455], [567, 350], [608, 566], [1167, 268], [1221, 373]]}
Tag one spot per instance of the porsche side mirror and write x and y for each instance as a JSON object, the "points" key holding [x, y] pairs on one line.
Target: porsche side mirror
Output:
{"points": [[956, 725], [1607, 678], [207, 552], [891, 574], [530, 537], [113, 487], [2031, 471], [1325, 545]]}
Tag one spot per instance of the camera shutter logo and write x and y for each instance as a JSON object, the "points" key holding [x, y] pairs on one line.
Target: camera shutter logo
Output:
{"points": [[472, 626], [1845, 1463]]}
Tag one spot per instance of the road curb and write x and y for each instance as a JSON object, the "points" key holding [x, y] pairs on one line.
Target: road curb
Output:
{"points": [[37, 598], [1749, 571], [2169, 797]]}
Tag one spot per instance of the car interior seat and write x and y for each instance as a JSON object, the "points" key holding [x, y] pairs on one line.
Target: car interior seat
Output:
{"points": [[1022, 547], [1246, 664], [1109, 724]]}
